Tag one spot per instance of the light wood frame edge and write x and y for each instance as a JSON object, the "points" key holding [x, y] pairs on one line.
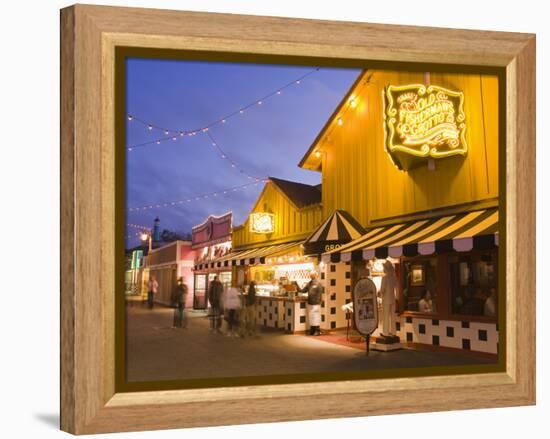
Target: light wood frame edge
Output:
{"points": [[88, 400]]}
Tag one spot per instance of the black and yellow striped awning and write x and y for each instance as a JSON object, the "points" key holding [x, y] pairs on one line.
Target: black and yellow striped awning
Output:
{"points": [[252, 256], [338, 229], [461, 232]]}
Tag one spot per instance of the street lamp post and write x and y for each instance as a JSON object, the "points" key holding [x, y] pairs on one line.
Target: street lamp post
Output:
{"points": [[147, 237]]}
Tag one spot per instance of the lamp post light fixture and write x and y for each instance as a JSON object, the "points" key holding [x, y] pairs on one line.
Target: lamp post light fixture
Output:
{"points": [[145, 236]]}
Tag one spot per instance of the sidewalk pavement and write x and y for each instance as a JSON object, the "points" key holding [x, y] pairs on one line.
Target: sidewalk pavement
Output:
{"points": [[156, 351]]}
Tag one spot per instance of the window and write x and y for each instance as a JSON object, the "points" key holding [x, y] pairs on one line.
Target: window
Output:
{"points": [[473, 284], [420, 285]]}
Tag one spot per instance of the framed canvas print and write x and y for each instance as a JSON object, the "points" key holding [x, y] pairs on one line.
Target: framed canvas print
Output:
{"points": [[233, 187]]}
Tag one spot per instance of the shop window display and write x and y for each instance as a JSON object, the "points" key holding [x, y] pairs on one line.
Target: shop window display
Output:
{"points": [[473, 284], [420, 285]]}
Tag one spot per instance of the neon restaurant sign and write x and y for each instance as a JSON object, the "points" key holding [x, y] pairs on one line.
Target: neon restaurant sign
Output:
{"points": [[262, 222], [423, 122]]}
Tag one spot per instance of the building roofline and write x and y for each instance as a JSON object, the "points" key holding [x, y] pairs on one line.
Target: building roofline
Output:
{"points": [[331, 117]]}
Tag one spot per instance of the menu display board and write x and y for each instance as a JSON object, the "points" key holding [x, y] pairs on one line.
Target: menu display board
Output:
{"points": [[365, 306]]}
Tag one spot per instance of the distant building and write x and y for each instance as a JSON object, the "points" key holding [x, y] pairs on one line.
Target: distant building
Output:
{"points": [[135, 265], [167, 264], [210, 240]]}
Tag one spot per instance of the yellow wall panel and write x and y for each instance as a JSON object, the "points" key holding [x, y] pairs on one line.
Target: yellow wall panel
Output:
{"points": [[360, 177], [291, 224]]}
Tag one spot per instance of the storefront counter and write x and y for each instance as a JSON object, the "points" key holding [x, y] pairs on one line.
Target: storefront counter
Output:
{"points": [[286, 313]]}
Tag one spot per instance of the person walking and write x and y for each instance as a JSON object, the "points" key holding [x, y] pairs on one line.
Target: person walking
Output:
{"points": [[215, 292], [315, 292], [231, 305], [179, 299], [248, 322], [152, 290]]}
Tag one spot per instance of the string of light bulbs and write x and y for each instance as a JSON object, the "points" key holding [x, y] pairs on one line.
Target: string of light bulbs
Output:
{"points": [[202, 196], [176, 134], [223, 155], [138, 226], [133, 236]]}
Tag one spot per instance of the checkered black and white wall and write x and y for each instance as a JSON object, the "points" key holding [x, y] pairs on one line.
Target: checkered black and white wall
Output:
{"points": [[475, 336], [337, 282], [289, 315]]}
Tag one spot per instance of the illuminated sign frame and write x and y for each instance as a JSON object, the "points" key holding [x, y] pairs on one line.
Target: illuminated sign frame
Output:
{"points": [[440, 123], [262, 222]]}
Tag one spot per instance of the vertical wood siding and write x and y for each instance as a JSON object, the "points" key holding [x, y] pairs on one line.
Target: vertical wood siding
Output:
{"points": [[290, 223], [359, 176]]}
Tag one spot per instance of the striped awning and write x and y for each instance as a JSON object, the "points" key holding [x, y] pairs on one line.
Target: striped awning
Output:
{"points": [[461, 232], [254, 256], [338, 229]]}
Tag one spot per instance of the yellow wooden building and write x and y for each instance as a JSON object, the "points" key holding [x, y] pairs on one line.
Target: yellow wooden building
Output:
{"points": [[409, 165], [359, 176], [292, 210], [268, 249], [413, 157]]}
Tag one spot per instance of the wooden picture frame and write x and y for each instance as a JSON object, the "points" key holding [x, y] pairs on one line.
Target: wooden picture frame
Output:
{"points": [[89, 38], [417, 275]]}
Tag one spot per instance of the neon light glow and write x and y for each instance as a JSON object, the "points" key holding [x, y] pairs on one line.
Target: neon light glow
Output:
{"points": [[423, 121], [262, 222]]}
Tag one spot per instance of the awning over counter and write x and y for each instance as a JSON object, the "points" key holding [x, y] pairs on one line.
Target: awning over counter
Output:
{"points": [[461, 232], [338, 229], [251, 256]]}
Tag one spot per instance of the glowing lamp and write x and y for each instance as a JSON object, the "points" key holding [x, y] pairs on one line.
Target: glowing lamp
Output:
{"points": [[262, 222]]}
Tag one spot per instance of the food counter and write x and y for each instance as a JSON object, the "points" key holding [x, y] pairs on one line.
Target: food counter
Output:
{"points": [[286, 313], [279, 303]]}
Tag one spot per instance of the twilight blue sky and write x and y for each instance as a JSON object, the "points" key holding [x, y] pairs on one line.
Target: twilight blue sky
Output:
{"points": [[267, 140]]}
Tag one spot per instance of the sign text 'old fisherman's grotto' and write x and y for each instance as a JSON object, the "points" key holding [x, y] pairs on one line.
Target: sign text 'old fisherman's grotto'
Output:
{"points": [[422, 122]]}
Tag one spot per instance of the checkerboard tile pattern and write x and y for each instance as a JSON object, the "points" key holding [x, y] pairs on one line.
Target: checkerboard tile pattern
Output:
{"points": [[475, 336], [337, 292], [270, 313], [281, 314], [295, 316]]}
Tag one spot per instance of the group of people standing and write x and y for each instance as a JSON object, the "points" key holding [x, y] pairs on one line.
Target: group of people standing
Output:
{"points": [[237, 308]]}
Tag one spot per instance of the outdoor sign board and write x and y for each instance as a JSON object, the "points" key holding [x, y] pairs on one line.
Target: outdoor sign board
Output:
{"points": [[423, 122], [262, 222], [213, 230], [365, 307]]}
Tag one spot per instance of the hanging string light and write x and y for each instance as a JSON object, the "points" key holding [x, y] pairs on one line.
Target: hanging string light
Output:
{"points": [[170, 134], [138, 226], [202, 196], [133, 235], [223, 155]]}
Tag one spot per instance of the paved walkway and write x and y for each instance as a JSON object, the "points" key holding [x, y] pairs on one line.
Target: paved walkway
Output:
{"points": [[158, 352]]}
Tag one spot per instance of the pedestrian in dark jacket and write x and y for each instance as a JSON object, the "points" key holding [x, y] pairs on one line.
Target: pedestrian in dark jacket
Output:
{"points": [[248, 324], [215, 292], [178, 300], [315, 292]]}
